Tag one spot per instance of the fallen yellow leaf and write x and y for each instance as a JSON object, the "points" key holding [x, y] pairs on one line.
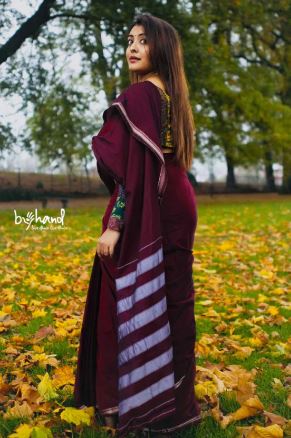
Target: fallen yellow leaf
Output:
{"points": [[249, 408], [22, 431], [273, 431], [76, 416], [45, 388], [19, 410]]}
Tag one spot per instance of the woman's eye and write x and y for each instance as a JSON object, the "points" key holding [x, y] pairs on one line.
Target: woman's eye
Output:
{"points": [[131, 41]]}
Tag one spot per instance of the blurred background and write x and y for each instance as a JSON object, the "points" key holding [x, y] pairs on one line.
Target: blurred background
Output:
{"points": [[62, 63]]}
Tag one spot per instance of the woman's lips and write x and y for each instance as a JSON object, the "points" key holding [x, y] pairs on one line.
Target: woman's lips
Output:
{"points": [[133, 59]]}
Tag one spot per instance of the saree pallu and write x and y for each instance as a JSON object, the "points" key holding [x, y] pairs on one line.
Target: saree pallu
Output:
{"points": [[178, 221], [128, 152]]}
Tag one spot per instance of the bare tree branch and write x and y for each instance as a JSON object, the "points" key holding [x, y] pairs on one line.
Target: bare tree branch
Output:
{"points": [[264, 60], [28, 29], [258, 61], [79, 16]]}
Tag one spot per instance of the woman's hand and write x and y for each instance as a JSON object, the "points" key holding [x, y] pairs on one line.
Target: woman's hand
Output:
{"points": [[106, 242]]}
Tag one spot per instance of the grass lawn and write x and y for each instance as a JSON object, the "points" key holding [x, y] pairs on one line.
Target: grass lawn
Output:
{"points": [[241, 311]]}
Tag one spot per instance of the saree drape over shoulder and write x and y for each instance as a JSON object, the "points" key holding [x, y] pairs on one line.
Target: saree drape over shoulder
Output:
{"points": [[128, 152]]}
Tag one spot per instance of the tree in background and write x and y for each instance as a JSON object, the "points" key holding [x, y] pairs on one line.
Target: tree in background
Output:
{"points": [[235, 87], [59, 128], [236, 60]]}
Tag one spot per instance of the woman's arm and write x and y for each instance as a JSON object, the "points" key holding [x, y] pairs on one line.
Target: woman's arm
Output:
{"points": [[116, 220]]}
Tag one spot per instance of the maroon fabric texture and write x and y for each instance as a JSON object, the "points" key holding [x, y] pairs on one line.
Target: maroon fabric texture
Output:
{"points": [[178, 220], [128, 151]]}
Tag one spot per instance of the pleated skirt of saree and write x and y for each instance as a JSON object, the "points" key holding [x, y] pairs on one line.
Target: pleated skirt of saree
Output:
{"points": [[178, 221]]}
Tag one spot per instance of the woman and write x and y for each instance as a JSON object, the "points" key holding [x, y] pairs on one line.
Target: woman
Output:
{"points": [[136, 360]]}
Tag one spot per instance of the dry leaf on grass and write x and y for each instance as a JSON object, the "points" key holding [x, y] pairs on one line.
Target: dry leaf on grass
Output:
{"points": [[273, 431]]}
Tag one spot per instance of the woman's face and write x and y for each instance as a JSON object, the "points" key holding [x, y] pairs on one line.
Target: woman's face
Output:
{"points": [[138, 49]]}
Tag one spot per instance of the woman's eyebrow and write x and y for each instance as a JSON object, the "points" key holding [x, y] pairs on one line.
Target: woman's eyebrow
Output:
{"points": [[137, 35]]}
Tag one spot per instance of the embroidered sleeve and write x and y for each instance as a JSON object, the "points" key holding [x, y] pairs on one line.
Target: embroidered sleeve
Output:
{"points": [[116, 220]]}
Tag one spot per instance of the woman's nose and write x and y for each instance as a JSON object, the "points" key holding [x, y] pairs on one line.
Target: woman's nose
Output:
{"points": [[132, 47]]}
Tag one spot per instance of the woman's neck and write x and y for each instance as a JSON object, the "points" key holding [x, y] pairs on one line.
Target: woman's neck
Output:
{"points": [[146, 76], [152, 77]]}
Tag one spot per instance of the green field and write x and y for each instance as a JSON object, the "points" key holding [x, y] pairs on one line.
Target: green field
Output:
{"points": [[240, 276]]}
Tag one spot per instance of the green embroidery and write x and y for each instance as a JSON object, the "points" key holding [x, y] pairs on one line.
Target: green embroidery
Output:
{"points": [[116, 220], [119, 206]]}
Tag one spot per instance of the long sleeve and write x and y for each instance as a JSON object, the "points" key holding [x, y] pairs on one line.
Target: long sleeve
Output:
{"points": [[116, 220]]}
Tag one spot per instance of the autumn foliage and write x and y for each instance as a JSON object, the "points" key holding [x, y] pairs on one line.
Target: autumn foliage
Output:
{"points": [[241, 312]]}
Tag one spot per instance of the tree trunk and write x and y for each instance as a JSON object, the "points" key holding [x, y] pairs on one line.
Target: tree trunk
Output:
{"points": [[70, 176], [230, 178], [286, 162], [270, 180], [87, 177], [286, 158]]}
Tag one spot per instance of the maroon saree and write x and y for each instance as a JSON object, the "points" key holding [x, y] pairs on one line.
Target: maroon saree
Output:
{"points": [[145, 313]]}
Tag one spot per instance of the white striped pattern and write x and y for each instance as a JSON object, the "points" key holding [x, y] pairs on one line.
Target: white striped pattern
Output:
{"points": [[138, 293], [143, 318], [141, 292], [156, 417], [144, 344], [147, 394], [146, 369], [143, 266]]}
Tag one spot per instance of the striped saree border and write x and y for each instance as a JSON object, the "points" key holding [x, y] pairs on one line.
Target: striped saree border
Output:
{"points": [[144, 138], [145, 359], [146, 388]]}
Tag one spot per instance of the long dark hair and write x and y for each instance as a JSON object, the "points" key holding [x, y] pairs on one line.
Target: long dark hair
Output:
{"points": [[166, 55]]}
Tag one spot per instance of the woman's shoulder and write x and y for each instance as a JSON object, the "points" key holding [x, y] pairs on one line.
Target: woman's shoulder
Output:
{"points": [[137, 100], [131, 98], [137, 86], [140, 104], [139, 91]]}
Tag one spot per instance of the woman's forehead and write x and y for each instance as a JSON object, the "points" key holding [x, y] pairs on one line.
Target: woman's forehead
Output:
{"points": [[136, 30]]}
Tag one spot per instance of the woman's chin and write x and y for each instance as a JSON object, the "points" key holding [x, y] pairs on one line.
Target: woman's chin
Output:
{"points": [[135, 69]]}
